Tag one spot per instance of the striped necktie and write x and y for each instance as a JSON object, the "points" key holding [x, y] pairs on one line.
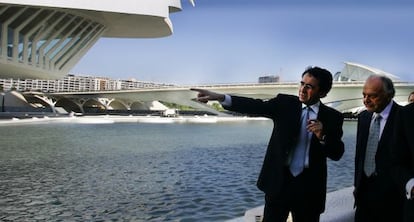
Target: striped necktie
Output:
{"points": [[372, 145]]}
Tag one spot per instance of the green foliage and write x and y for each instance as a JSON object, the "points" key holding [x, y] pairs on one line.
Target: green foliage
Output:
{"points": [[218, 107]]}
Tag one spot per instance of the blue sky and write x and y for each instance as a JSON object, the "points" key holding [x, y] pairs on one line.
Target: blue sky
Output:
{"points": [[236, 41]]}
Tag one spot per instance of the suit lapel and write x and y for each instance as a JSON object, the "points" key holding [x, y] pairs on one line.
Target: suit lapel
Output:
{"points": [[363, 131], [298, 114], [322, 116]]}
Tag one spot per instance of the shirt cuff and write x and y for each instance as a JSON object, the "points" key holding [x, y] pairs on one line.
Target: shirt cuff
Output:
{"points": [[227, 100], [408, 187]]}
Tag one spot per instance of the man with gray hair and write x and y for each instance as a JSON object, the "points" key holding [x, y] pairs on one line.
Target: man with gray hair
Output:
{"points": [[377, 197]]}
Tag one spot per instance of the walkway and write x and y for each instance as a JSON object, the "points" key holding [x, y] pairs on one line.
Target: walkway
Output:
{"points": [[339, 208]]}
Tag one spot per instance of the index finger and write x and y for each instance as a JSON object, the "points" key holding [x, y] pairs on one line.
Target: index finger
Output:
{"points": [[198, 89]]}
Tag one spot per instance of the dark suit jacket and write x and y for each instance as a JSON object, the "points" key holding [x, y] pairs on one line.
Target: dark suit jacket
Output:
{"points": [[385, 188], [404, 151], [285, 111]]}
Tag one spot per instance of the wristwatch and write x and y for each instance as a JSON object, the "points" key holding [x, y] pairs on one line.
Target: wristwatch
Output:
{"points": [[322, 140]]}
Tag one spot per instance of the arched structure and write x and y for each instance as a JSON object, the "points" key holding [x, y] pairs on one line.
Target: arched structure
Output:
{"points": [[93, 106], [138, 105], [357, 72], [345, 96], [69, 105], [117, 105], [46, 38]]}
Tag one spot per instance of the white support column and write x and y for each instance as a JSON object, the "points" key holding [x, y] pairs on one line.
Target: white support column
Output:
{"points": [[52, 37], [38, 37], [75, 46], [16, 34], [32, 31], [5, 32], [3, 37], [49, 41], [47, 100], [49, 56], [58, 58], [46, 31], [83, 49]]}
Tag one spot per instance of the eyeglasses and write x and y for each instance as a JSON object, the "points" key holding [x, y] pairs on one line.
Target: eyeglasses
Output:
{"points": [[306, 85]]}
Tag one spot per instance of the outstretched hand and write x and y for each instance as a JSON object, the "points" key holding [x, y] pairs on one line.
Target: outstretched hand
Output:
{"points": [[206, 95]]}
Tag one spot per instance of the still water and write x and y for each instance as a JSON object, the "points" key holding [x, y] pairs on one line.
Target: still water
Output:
{"points": [[139, 171]]}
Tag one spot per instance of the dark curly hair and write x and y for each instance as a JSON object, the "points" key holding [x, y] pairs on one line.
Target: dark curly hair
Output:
{"points": [[322, 75]]}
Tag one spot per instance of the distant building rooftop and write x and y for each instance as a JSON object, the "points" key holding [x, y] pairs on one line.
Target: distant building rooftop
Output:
{"points": [[269, 79]]}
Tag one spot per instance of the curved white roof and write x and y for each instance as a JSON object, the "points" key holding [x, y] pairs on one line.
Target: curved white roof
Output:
{"points": [[125, 18], [46, 38], [359, 72]]}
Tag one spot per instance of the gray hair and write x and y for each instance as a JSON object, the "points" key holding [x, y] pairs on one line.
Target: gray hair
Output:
{"points": [[387, 84]]}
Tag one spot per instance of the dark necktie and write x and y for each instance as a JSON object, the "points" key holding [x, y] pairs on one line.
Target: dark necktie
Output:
{"points": [[372, 145]]}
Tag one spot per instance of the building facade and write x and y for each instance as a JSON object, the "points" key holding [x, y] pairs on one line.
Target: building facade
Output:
{"points": [[76, 83]]}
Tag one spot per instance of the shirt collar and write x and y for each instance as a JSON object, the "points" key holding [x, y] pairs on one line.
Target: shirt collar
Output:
{"points": [[314, 107], [386, 112]]}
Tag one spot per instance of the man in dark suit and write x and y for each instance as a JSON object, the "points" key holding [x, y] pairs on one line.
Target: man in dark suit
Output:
{"points": [[404, 158], [411, 97], [305, 133], [377, 198]]}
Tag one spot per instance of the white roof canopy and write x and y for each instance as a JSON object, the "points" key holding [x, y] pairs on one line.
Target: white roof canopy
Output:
{"points": [[359, 72]]}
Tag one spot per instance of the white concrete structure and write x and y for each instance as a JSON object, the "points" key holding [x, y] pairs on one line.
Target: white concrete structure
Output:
{"points": [[339, 207], [46, 38], [358, 72]]}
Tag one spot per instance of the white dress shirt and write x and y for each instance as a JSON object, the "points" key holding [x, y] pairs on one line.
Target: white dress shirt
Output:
{"points": [[408, 187]]}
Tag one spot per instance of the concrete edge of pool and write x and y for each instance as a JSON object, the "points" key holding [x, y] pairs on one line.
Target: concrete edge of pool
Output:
{"points": [[339, 208]]}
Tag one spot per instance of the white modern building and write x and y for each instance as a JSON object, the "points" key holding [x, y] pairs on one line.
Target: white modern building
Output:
{"points": [[46, 38]]}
